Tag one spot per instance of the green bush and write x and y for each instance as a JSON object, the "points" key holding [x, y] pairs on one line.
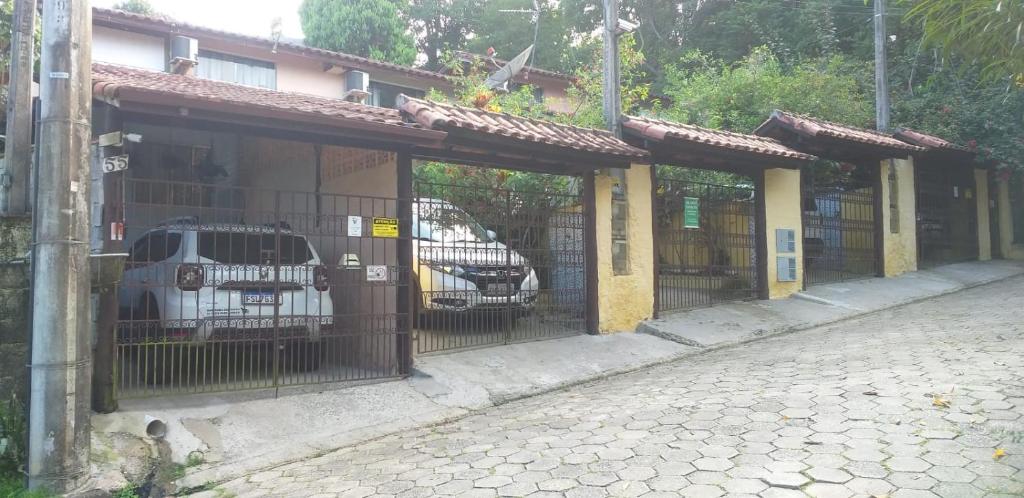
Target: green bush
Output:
{"points": [[12, 438]]}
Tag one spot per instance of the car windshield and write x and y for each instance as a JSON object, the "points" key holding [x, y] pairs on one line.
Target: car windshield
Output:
{"points": [[253, 248], [443, 222]]}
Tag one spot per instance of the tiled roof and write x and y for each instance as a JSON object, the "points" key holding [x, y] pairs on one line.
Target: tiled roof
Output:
{"points": [[471, 57], [663, 131], [446, 117], [119, 83], [813, 127], [929, 141], [168, 25]]}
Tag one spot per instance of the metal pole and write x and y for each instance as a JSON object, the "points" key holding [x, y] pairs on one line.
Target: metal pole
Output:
{"points": [[58, 457], [14, 180], [612, 92], [881, 71]]}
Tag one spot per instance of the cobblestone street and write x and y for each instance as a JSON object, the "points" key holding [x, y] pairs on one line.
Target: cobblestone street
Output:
{"points": [[921, 401]]}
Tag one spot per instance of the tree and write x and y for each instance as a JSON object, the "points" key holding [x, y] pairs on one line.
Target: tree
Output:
{"points": [[368, 28], [739, 97], [511, 32], [136, 6], [441, 26], [987, 32]]}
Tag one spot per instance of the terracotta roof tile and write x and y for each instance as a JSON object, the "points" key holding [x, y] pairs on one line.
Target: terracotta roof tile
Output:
{"points": [[445, 117], [813, 127], [659, 130], [168, 25], [119, 83], [929, 141]]}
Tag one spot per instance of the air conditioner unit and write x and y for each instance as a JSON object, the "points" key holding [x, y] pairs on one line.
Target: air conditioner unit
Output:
{"points": [[184, 54], [357, 86]]}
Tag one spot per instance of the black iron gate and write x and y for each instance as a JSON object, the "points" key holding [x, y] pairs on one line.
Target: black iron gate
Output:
{"points": [[839, 230], [706, 244], [496, 265], [947, 219], [230, 288]]}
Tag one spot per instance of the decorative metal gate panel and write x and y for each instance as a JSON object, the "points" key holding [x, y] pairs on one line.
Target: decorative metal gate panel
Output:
{"points": [[947, 220], [839, 233], [706, 244], [496, 266], [230, 288]]}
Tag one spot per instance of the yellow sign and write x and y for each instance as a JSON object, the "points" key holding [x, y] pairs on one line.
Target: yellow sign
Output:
{"points": [[385, 227]]}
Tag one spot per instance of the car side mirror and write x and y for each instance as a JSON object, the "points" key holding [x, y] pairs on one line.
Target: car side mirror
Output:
{"points": [[492, 235]]}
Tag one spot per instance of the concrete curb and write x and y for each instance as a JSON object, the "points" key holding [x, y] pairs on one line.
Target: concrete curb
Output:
{"points": [[856, 313], [203, 479]]}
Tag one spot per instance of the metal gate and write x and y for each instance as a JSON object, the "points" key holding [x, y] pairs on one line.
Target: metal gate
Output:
{"points": [[839, 231], [706, 244], [496, 265], [947, 221], [230, 288]]}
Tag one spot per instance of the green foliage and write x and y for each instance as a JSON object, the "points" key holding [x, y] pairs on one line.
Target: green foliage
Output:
{"points": [[13, 486], [440, 26], [13, 428], [989, 32], [587, 93], [136, 6], [740, 96], [368, 28], [129, 491], [511, 32]]}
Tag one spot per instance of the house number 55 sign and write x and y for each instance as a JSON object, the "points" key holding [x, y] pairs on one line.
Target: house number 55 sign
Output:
{"points": [[115, 163]]}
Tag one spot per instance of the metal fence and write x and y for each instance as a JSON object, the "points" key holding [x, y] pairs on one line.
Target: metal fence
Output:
{"points": [[947, 220], [839, 234], [230, 288], [496, 266], [706, 244]]}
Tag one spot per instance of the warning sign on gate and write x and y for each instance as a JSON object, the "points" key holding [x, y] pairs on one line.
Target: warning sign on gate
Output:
{"points": [[691, 212], [385, 227]]}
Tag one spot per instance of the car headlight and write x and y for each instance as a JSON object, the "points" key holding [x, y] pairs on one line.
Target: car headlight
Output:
{"points": [[455, 270]]}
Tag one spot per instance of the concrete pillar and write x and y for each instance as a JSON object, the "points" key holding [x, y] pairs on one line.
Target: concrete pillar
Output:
{"points": [[984, 227], [1010, 250], [625, 300], [783, 211], [899, 228]]}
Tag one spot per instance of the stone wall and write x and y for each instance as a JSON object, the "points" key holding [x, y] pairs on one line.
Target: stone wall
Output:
{"points": [[15, 234]]}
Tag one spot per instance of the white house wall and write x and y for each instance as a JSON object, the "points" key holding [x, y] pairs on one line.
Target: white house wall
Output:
{"points": [[128, 48]]}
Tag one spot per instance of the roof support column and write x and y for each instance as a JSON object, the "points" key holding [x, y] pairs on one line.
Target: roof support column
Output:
{"points": [[898, 216], [625, 300], [783, 214], [984, 223]]}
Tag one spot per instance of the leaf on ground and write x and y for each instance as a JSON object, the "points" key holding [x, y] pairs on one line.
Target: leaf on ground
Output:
{"points": [[1000, 453], [940, 402]]}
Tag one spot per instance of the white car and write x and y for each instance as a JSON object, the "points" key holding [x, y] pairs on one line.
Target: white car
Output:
{"points": [[195, 282], [462, 267]]}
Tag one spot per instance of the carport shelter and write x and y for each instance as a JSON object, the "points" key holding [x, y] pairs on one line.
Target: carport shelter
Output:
{"points": [[857, 217], [952, 201], [199, 149], [478, 137], [746, 230]]}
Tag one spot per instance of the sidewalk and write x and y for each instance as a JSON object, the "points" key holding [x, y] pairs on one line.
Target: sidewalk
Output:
{"points": [[239, 433], [823, 304]]}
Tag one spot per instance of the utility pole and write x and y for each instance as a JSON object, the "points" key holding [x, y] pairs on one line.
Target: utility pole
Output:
{"points": [[612, 91], [881, 70], [14, 179], [58, 458]]}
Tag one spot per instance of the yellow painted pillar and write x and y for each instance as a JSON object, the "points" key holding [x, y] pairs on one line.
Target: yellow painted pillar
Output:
{"points": [[783, 211], [899, 217], [984, 227], [1010, 250], [625, 300]]}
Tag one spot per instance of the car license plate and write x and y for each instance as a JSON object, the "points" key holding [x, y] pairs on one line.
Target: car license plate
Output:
{"points": [[260, 298], [504, 289]]}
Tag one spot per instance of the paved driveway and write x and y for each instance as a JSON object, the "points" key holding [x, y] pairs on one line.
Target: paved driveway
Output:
{"points": [[921, 401]]}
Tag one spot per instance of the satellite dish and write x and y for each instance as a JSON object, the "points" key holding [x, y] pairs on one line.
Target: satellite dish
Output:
{"points": [[499, 80]]}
